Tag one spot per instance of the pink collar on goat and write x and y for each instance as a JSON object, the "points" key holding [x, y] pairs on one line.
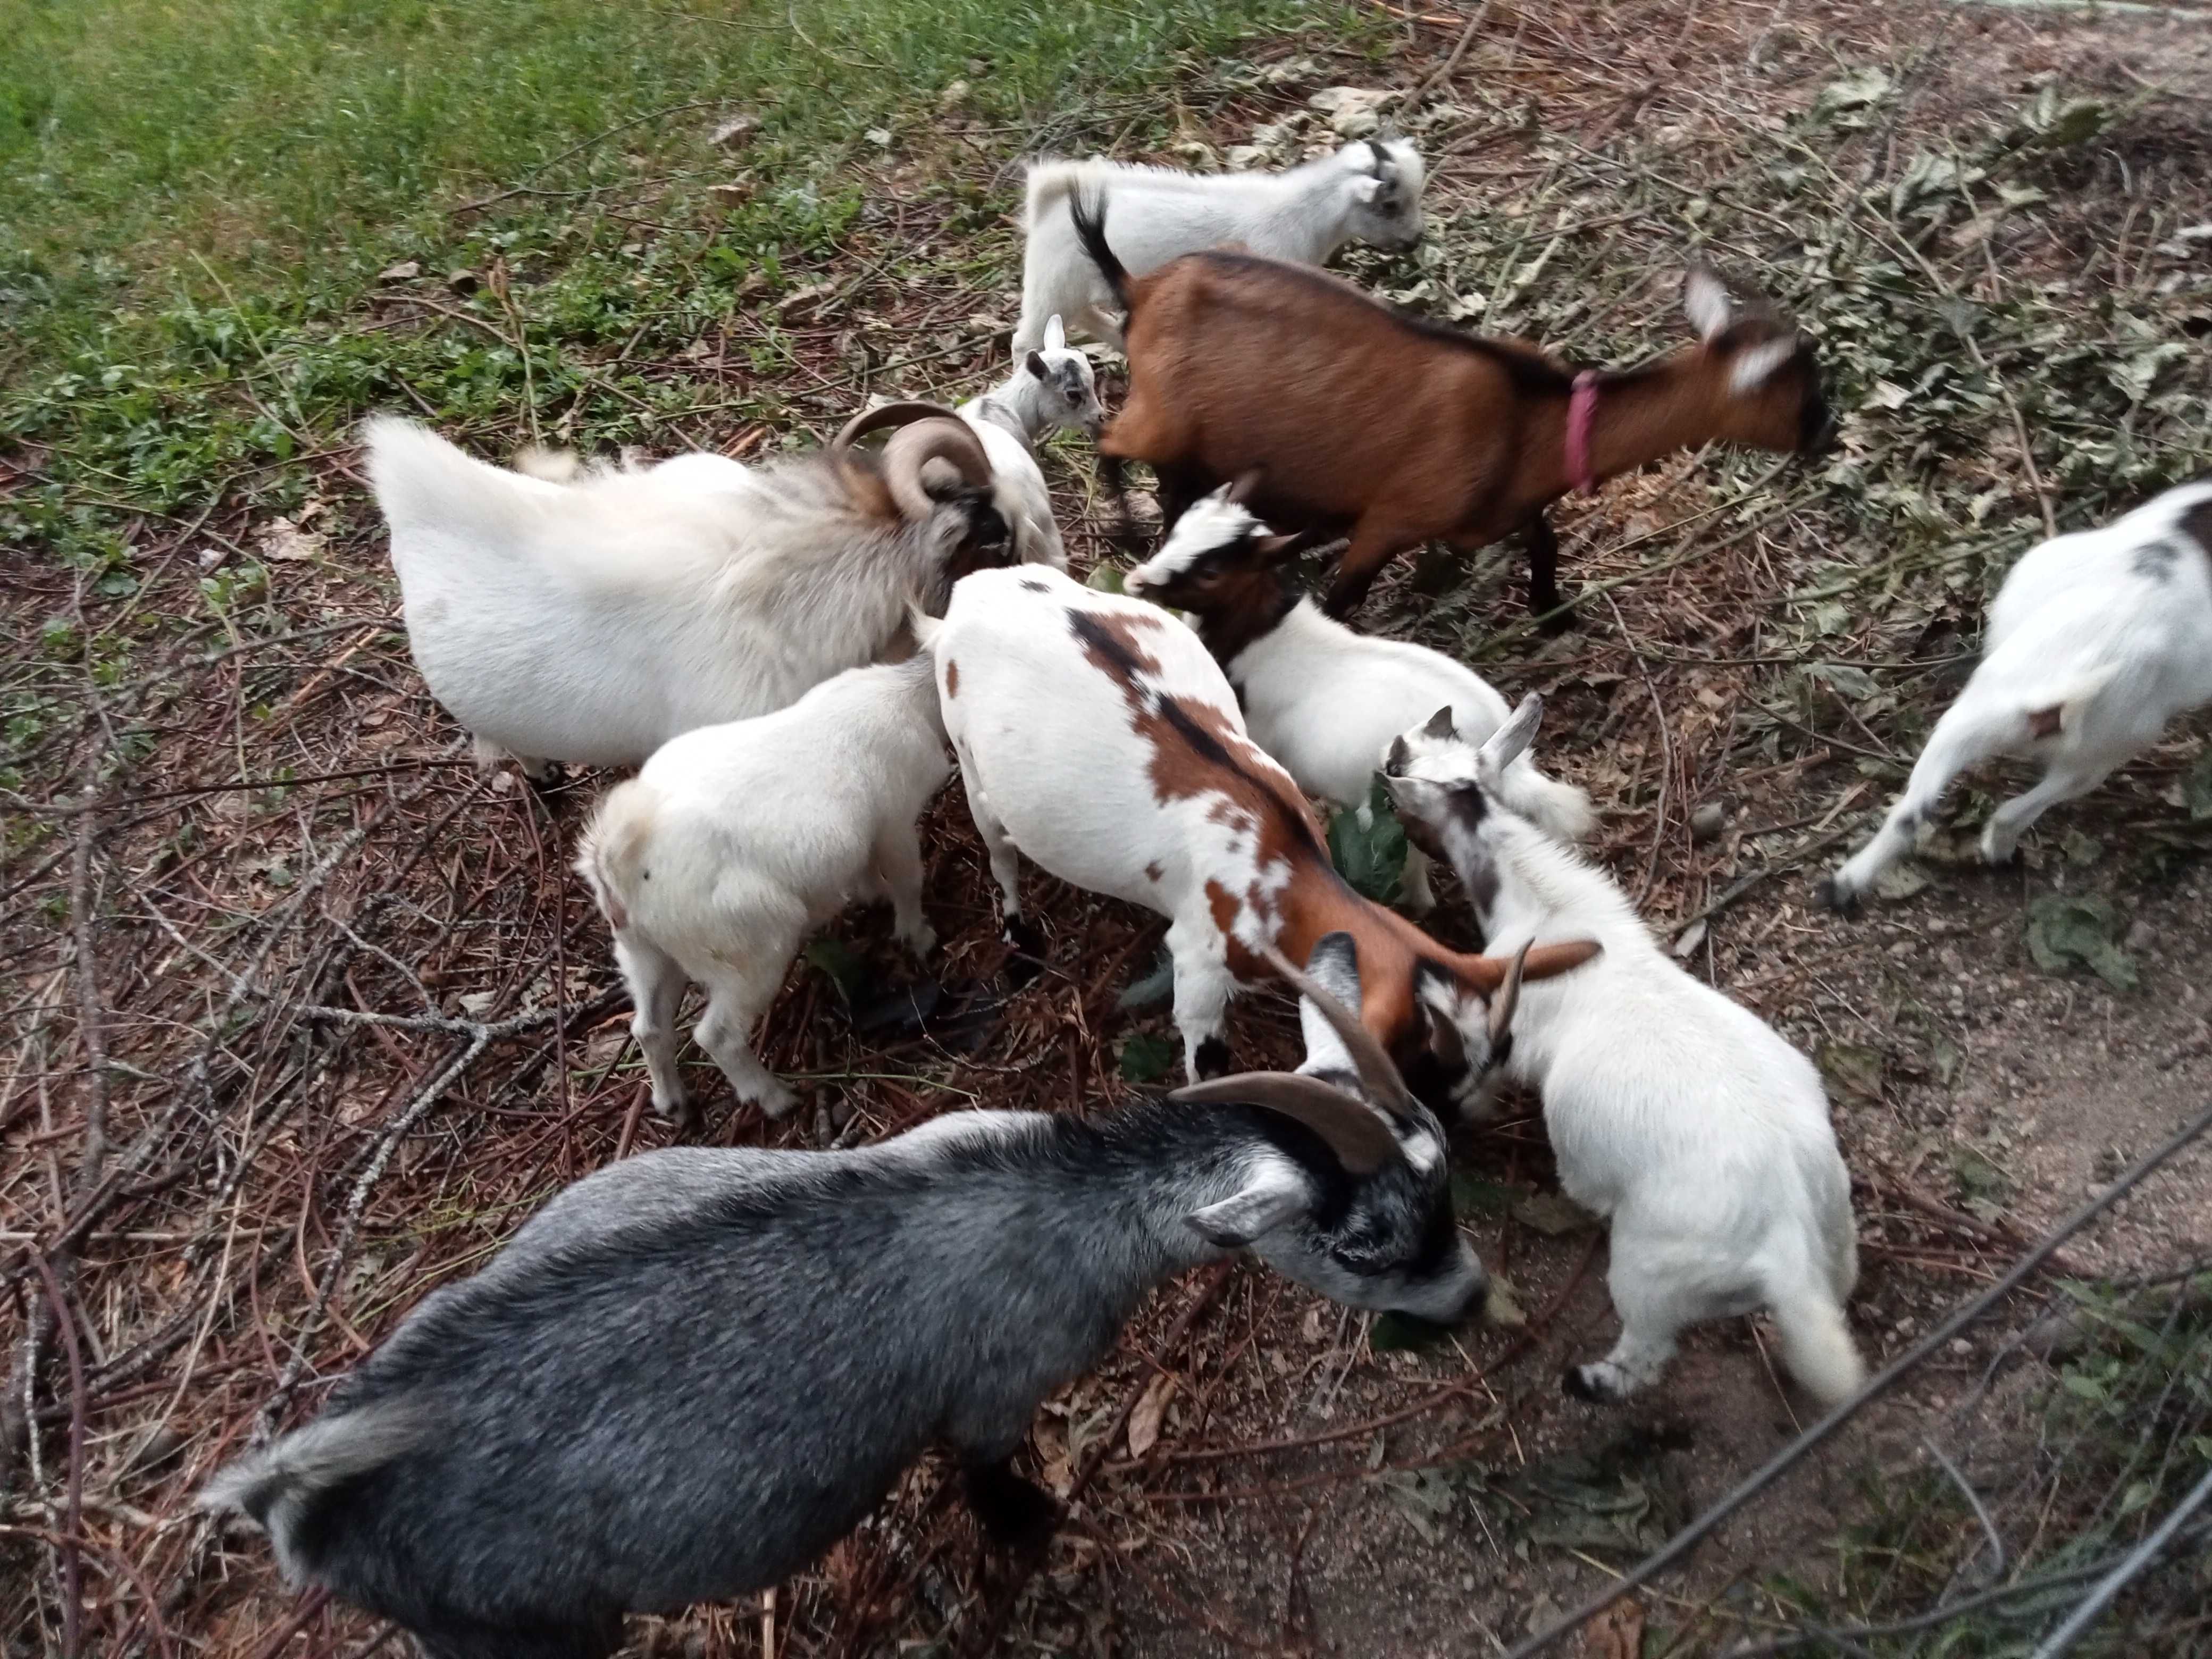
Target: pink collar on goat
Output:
{"points": [[1582, 411]]}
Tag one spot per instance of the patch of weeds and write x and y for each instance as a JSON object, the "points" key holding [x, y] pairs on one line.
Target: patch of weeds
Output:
{"points": [[2064, 929], [1371, 854]]}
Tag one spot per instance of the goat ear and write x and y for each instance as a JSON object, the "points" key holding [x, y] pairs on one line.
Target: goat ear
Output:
{"points": [[1056, 336], [1440, 726], [1035, 363], [1398, 757], [1442, 1038], [1275, 1195], [1755, 365], [1269, 548], [1510, 741], [1366, 189], [1705, 301], [1247, 486]]}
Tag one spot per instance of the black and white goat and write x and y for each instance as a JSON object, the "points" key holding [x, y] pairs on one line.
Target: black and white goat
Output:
{"points": [[693, 1372], [1324, 701], [2095, 641], [1052, 386], [592, 621], [1679, 1115]]}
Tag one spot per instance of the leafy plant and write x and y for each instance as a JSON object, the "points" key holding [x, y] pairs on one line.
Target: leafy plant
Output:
{"points": [[1145, 1058], [2062, 930], [1371, 856]]}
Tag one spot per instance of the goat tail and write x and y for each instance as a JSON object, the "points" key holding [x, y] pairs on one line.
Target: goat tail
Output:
{"points": [[1816, 1342], [1559, 809], [419, 479], [1086, 210], [612, 851], [274, 1486]]}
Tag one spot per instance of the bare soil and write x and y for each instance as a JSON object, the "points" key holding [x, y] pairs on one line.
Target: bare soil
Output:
{"points": [[362, 1021]]}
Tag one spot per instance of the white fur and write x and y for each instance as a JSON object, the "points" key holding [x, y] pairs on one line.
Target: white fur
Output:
{"points": [[1054, 768], [592, 621], [2110, 629], [736, 840], [1674, 1111], [1051, 386], [1305, 215], [1327, 702]]}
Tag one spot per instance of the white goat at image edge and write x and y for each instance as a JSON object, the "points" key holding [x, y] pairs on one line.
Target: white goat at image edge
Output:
{"points": [[2096, 640]]}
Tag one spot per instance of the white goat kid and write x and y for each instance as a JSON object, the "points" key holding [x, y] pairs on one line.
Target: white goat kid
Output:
{"points": [[1052, 386], [2095, 641], [1675, 1112], [1324, 701], [592, 621], [737, 841], [1367, 192]]}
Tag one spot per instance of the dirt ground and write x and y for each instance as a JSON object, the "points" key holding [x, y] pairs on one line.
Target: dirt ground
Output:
{"points": [[364, 1020]]}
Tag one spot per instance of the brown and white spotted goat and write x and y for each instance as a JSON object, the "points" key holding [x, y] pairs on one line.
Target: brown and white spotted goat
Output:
{"points": [[1097, 735], [1368, 421]]}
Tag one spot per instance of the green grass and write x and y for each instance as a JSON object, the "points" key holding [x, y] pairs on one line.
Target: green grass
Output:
{"points": [[195, 200]]}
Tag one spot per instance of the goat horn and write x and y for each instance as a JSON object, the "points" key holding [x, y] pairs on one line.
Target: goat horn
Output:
{"points": [[1376, 1069], [913, 447], [875, 420], [1488, 974], [1508, 998], [1363, 1143]]}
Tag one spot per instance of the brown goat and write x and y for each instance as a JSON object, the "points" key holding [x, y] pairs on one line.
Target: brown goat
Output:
{"points": [[1363, 419]]}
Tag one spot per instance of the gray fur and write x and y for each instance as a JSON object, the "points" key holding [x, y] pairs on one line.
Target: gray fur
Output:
{"points": [[693, 1372]]}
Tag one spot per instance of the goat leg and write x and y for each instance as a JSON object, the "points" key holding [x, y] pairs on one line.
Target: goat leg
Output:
{"points": [[1017, 1513], [1113, 474], [1373, 546], [1544, 600]]}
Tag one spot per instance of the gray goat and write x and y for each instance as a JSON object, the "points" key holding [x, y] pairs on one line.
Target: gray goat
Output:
{"points": [[695, 1370]]}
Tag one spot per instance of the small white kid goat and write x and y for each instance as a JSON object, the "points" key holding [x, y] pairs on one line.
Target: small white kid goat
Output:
{"points": [[737, 841], [1051, 386], [1324, 701], [1678, 1114], [592, 621], [2095, 641], [1368, 191]]}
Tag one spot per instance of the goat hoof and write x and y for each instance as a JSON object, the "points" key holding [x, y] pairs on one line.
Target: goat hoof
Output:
{"points": [[1029, 951], [1590, 1383], [1212, 1059], [547, 778], [1015, 1512], [1836, 895]]}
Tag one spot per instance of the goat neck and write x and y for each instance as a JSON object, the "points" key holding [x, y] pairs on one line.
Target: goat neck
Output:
{"points": [[1640, 416], [1523, 884], [1251, 605], [1143, 1170]]}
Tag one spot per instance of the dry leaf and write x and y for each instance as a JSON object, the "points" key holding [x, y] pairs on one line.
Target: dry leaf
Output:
{"points": [[1616, 1633], [1144, 1421], [283, 538]]}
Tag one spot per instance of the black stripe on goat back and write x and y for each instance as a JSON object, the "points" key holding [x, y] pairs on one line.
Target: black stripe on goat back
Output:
{"points": [[1524, 366]]}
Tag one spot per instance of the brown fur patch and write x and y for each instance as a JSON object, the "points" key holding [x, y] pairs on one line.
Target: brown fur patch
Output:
{"points": [[952, 679], [1152, 871], [2044, 722]]}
